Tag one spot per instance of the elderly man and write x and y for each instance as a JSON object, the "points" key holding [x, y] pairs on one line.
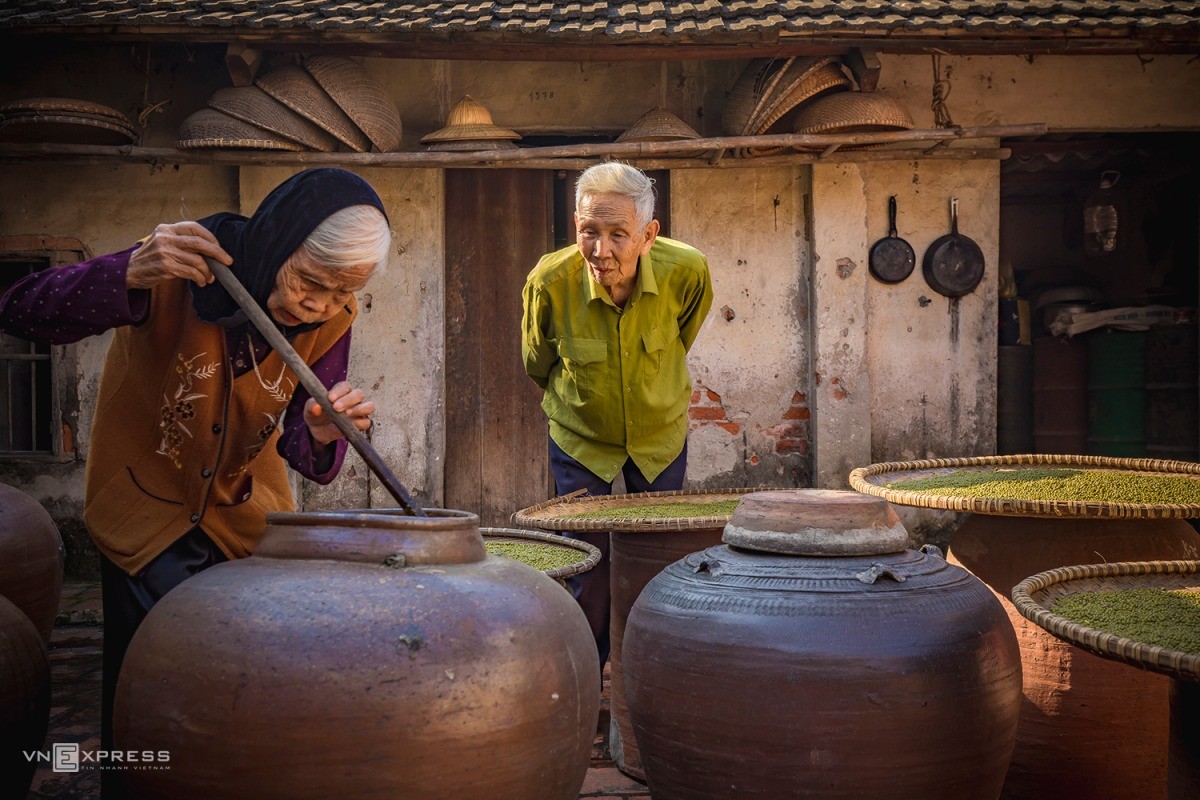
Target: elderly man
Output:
{"points": [[606, 331], [186, 456]]}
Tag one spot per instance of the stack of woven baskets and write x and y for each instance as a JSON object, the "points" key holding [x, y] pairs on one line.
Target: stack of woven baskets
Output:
{"points": [[62, 120], [814, 94], [330, 103]]}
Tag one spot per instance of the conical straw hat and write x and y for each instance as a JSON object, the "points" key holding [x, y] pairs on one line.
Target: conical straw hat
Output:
{"points": [[297, 90], [472, 144], [360, 96], [251, 104], [469, 120], [210, 128], [658, 125]]}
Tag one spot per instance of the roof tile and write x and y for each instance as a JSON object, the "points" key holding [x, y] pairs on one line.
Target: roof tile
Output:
{"points": [[616, 19]]}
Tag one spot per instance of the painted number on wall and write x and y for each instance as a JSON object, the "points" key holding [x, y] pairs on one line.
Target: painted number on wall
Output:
{"points": [[536, 97]]}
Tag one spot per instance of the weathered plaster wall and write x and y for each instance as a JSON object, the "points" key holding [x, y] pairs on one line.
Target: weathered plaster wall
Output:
{"points": [[749, 364], [1069, 93]]}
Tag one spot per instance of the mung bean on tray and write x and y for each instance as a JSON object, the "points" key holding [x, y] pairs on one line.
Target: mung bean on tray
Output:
{"points": [[1168, 618], [1082, 485], [715, 508], [539, 555]]}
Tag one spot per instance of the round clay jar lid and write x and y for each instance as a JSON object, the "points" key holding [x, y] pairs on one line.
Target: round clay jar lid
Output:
{"points": [[816, 522]]}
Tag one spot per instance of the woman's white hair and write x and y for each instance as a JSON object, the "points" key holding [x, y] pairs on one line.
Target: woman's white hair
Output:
{"points": [[617, 178], [351, 237]]}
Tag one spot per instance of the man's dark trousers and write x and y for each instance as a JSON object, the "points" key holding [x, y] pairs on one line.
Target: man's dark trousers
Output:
{"points": [[591, 589]]}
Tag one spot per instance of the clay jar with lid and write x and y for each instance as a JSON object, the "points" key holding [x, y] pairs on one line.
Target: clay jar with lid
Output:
{"points": [[364, 655], [813, 655]]}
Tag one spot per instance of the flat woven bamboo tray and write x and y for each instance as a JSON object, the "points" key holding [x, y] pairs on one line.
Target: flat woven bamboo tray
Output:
{"points": [[875, 478], [555, 515], [1034, 596], [589, 554]]}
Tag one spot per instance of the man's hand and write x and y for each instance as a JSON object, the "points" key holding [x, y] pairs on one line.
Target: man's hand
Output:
{"points": [[345, 398], [175, 250]]}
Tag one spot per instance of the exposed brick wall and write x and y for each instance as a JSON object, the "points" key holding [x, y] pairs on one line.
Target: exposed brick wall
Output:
{"points": [[791, 434], [706, 409]]}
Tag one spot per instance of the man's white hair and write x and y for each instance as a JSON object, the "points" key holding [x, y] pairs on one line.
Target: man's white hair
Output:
{"points": [[351, 237], [617, 178]]}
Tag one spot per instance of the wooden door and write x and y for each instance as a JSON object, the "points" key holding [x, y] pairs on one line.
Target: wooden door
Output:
{"points": [[498, 223]]}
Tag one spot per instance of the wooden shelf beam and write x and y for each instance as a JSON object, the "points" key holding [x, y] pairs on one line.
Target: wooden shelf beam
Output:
{"points": [[720, 152]]}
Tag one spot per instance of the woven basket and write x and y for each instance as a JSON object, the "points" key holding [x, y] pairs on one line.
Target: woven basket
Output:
{"points": [[554, 515], [874, 479], [805, 79], [297, 90], [469, 121], [854, 112], [58, 105], [750, 94], [208, 128], [251, 104], [589, 554], [1034, 596], [360, 96], [64, 128]]}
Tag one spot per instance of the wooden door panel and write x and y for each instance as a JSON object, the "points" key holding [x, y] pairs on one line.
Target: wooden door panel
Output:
{"points": [[497, 226]]}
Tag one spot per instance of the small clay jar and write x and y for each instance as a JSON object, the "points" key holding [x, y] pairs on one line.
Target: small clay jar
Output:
{"points": [[814, 656], [365, 655], [31, 558]]}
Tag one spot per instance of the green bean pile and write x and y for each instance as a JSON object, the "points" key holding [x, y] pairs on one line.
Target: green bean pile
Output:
{"points": [[1169, 619], [1084, 485], [716, 508], [539, 555]]}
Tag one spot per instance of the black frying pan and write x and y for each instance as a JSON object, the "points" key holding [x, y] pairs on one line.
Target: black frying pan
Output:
{"points": [[953, 264], [892, 259]]}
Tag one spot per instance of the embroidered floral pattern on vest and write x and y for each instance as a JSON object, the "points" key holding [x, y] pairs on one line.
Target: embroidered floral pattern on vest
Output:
{"points": [[178, 409], [280, 390]]}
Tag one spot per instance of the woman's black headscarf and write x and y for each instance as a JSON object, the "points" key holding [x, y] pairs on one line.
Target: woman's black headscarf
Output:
{"points": [[261, 244]]}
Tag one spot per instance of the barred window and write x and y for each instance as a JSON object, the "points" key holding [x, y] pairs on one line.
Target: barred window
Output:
{"points": [[26, 389], [32, 389]]}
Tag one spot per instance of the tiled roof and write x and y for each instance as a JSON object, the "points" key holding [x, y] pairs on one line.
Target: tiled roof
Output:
{"points": [[661, 19]]}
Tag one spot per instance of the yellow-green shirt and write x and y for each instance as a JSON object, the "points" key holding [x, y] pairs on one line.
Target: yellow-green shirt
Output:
{"points": [[616, 380]]}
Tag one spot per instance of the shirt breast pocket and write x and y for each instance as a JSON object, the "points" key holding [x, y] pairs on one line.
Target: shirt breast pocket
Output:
{"points": [[582, 361], [658, 347]]}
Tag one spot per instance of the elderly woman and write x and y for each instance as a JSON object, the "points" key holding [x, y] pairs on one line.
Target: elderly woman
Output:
{"points": [[196, 414]]}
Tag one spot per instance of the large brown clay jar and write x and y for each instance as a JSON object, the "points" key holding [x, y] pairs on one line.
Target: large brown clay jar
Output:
{"points": [[363, 655], [31, 558], [1090, 728], [24, 699], [814, 656]]}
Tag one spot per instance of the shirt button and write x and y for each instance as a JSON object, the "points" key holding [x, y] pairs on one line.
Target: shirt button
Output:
{"points": [[627, 354], [628, 389], [216, 428], [195, 518], [206, 473]]}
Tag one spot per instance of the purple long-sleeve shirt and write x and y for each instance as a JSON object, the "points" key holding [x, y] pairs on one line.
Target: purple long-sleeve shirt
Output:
{"points": [[65, 304]]}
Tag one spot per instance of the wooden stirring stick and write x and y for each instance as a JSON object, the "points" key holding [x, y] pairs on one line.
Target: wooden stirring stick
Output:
{"points": [[314, 386]]}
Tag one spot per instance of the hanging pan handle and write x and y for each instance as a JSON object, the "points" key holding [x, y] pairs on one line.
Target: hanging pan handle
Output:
{"points": [[892, 216], [954, 216], [313, 384]]}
